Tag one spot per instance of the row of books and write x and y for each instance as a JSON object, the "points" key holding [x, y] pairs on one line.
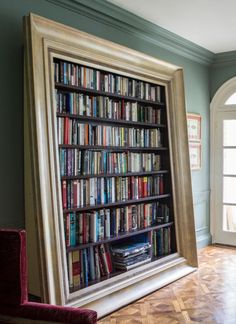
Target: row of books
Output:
{"points": [[105, 107], [77, 75], [74, 162], [95, 262], [89, 264], [130, 255], [72, 132], [161, 241], [95, 191], [94, 226]]}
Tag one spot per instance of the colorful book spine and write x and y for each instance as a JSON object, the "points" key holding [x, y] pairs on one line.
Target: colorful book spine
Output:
{"points": [[161, 241], [71, 131], [74, 74], [96, 191], [95, 226], [76, 268]]}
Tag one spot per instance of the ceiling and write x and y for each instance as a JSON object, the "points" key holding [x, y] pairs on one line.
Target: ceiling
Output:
{"points": [[208, 23]]}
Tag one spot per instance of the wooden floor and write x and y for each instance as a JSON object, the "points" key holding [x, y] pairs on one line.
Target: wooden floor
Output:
{"points": [[205, 296]]}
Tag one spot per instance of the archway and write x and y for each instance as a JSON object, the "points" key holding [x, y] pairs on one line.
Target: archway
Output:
{"points": [[223, 164]]}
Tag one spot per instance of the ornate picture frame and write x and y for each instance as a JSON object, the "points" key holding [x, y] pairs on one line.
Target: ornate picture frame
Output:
{"points": [[45, 41]]}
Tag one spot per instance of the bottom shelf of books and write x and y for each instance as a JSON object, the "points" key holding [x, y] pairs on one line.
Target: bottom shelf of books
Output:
{"points": [[98, 262]]}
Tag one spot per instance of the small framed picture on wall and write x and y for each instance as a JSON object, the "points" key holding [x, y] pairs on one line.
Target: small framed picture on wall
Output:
{"points": [[194, 127], [195, 154], [195, 140]]}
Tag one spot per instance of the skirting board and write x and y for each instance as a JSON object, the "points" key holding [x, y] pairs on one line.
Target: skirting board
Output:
{"points": [[120, 298], [204, 240]]}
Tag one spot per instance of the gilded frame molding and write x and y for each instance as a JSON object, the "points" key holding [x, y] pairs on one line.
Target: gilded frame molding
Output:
{"points": [[44, 40]]}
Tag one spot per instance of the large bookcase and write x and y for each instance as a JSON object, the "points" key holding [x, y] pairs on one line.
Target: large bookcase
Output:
{"points": [[109, 212]]}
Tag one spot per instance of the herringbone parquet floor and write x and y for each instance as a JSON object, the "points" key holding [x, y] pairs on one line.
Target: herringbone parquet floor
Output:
{"points": [[205, 296]]}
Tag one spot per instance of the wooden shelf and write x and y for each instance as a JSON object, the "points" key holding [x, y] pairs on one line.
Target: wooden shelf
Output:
{"points": [[118, 237], [107, 121], [116, 204], [110, 175], [66, 87], [113, 148]]}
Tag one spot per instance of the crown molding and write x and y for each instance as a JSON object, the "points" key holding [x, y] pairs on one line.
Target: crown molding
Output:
{"points": [[224, 58], [120, 19]]}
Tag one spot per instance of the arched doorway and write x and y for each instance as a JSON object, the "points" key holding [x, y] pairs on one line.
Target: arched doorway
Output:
{"points": [[223, 164]]}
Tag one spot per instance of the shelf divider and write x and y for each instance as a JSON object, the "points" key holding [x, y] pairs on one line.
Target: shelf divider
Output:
{"points": [[78, 89], [116, 204]]}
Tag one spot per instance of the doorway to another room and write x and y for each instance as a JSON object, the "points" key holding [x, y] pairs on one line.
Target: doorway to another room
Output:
{"points": [[223, 164]]}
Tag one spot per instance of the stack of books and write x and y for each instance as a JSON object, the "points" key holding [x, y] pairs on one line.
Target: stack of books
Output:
{"points": [[130, 255]]}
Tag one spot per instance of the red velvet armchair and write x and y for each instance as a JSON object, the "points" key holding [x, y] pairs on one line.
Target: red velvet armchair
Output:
{"points": [[14, 304]]}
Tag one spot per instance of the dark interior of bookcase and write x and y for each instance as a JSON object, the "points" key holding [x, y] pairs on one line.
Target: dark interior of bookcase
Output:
{"points": [[165, 198]]}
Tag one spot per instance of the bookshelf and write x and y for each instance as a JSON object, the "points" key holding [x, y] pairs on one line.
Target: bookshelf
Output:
{"points": [[107, 181], [111, 196]]}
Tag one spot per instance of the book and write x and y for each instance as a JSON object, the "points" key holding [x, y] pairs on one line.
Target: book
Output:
{"points": [[129, 248], [70, 269], [104, 259], [131, 257], [94, 227], [76, 268], [67, 229], [72, 229], [97, 267], [92, 263], [127, 267], [107, 224]]}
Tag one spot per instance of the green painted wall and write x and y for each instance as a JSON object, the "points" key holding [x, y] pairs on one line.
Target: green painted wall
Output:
{"points": [[11, 123], [220, 73]]}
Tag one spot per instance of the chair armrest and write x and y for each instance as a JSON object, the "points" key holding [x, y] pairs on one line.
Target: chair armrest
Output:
{"points": [[51, 313]]}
